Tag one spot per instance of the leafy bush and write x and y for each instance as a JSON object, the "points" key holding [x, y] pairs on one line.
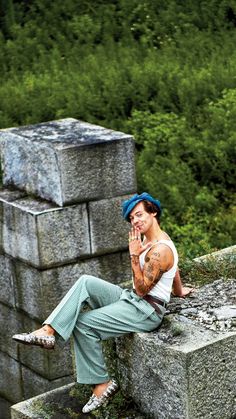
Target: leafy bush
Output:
{"points": [[184, 168], [163, 71]]}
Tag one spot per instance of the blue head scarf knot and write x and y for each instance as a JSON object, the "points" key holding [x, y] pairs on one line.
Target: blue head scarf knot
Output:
{"points": [[129, 204]]}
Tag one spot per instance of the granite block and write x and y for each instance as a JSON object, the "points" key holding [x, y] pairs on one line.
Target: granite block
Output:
{"points": [[11, 322], [7, 275], [42, 234], [50, 365], [108, 229], [190, 374], [11, 382], [7, 195], [39, 291], [68, 161], [5, 406], [34, 384]]}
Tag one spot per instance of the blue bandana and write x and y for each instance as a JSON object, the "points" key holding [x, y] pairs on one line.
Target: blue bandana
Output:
{"points": [[128, 205]]}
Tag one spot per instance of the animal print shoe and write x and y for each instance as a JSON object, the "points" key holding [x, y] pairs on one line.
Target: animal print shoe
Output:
{"points": [[95, 402], [46, 342]]}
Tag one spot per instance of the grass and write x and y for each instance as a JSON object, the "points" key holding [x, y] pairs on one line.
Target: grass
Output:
{"points": [[204, 271]]}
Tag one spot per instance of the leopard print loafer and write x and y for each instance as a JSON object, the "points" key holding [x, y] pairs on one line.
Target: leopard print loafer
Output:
{"points": [[95, 402], [46, 342]]}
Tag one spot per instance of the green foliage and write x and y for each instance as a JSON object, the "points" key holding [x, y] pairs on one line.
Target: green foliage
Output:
{"points": [[163, 71], [7, 18], [207, 270], [192, 173]]}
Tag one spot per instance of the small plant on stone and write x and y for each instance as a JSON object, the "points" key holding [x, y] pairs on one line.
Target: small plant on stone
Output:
{"points": [[176, 329], [42, 409]]}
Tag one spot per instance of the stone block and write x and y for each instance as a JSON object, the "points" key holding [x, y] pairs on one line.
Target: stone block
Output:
{"points": [[32, 407], [39, 291], [11, 322], [228, 253], [5, 406], [186, 369], [48, 364], [10, 382], [108, 230], [42, 234], [67, 402], [7, 275], [34, 384], [193, 380], [68, 161], [8, 196]]}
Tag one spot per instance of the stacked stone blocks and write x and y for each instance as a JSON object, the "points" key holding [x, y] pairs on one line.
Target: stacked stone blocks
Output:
{"points": [[60, 217]]}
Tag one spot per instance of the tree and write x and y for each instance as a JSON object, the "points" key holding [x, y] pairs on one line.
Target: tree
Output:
{"points": [[6, 17]]}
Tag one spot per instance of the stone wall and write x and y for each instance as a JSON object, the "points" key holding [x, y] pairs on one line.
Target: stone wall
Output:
{"points": [[60, 217], [187, 368], [184, 370]]}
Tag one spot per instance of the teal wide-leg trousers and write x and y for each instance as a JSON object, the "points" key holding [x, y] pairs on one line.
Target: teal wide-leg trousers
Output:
{"points": [[114, 312]]}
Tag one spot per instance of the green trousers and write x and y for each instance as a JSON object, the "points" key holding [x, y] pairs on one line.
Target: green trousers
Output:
{"points": [[114, 312]]}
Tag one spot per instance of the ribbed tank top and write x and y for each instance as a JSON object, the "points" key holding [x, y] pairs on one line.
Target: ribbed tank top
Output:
{"points": [[163, 288]]}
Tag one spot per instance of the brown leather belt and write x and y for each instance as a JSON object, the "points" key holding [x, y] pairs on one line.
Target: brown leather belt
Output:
{"points": [[154, 301]]}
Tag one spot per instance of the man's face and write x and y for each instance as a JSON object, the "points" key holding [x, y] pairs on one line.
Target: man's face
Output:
{"points": [[141, 219]]}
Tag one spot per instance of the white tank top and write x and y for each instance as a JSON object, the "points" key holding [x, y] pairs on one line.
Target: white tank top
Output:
{"points": [[163, 288]]}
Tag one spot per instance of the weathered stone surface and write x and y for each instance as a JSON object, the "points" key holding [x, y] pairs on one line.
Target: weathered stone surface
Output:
{"points": [[28, 409], [219, 254], [10, 321], [213, 305], [48, 364], [5, 409], [38, 292], [67, 402], [42, 234], [182, 381], [45, 363], [33, 384], [109, 231], [7, 195], [7, 275], [68, 161], [51, 365], [186, 369], [10, 382]]}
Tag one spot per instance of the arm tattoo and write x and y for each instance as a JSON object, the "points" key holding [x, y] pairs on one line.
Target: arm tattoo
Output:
{"points": [[153, 270], [149, 272]]}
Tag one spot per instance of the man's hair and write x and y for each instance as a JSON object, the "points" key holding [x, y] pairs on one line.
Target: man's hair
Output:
{"points": [[151, 208]]}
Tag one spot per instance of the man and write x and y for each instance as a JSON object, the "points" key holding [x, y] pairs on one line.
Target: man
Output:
{"points": [[116, 311]]}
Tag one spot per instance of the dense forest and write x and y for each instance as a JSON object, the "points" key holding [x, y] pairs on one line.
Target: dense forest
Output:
{"points": [[164, 71]]}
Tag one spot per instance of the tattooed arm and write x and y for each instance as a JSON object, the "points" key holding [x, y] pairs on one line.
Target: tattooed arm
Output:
{"points": [[158, 260]]}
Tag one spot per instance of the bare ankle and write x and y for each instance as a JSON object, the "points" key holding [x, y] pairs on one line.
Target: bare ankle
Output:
{"points": [[100, 388], [48, 329]]}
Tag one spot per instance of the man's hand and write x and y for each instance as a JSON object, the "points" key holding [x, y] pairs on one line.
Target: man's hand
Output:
{"points": [[135, 244], [184, 292], [178, 289]]}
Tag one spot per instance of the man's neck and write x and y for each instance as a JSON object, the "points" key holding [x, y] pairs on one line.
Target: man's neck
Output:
{"points": [[154, 233]]}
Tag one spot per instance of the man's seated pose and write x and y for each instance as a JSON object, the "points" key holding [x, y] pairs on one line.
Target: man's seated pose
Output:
{"points": [[116, 311]]}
